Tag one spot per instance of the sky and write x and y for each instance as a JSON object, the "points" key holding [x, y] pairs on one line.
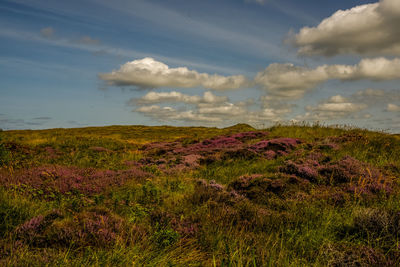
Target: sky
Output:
{"points": [[199, 63]]}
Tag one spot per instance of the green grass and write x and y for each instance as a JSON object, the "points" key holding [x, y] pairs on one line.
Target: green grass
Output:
{"points": [[168, 219]]}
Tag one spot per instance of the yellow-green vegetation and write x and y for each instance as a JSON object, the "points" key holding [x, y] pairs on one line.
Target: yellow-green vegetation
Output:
{"points": [[300, 195]]}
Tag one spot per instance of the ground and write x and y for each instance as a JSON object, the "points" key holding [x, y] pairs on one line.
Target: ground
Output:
{"points": [[186, 196]]}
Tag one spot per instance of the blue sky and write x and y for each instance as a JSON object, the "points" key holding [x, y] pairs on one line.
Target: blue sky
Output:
{"points": [[211, 62]]}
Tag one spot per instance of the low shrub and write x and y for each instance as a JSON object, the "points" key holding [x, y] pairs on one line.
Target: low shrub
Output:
{"points": [[164, 238], [50, 180], [96, 227], [344, 255]]}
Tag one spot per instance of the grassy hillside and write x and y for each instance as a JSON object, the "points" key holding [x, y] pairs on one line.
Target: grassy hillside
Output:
{"points": [[185, 196]]}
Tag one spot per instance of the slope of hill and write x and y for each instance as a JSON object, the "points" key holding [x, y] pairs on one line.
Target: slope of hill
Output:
{"points": [[196, 196]]}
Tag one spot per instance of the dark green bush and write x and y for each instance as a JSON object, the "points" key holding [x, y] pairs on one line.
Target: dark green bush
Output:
{"points": [[12, 213], [4, 154], [165, 237]]}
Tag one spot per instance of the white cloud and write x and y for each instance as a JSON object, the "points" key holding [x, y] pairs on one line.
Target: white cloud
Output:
{"points": [[226, 114], [393, 108], [209, 97], [280, 80], [338, 104], [149, 73], [377, 69], [369, 92], [47, 32], [170, 114], [371, 29], [335, 107], [227, 109], [376, 97], [289, 81], [208, 109], [154, 97]]}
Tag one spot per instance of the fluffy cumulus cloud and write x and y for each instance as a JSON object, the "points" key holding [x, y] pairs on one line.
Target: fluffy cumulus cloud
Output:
{"points": [[219, 116], [335, 107], [227, 109], [393, 108], [289, 81], [371, 29], [171, 114], [149, 73], [154, 97], [338, 104], [208, 109]]}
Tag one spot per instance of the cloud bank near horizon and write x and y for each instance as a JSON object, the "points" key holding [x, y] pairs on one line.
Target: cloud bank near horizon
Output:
{"points": [[280, 80]]}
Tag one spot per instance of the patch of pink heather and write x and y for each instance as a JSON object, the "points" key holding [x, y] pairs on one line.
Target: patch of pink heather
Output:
{"points": [[174, 156], [32, 230], [246, 136], [64, 179], [243, 182], [211, 146], [89, 228], [161, 147], [185, 227], [280, 146], [214, 191], [191, 160], [307, 170], [51, 152], [348, 169]]}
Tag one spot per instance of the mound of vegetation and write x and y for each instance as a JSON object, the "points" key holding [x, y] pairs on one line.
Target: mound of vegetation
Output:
{"points": [[170, 196]]}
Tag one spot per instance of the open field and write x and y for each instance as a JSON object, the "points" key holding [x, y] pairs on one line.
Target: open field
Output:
{"points": [[168, 196]]}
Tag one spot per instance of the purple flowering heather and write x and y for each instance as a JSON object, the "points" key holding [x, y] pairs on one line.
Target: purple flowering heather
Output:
{"points": [[51, 152], [92, 228], [307, 170], [191, 160], [217, 187], [160, 148], [246, 136], [213, 145], [172, 157], [33, 230], [64, 179], [349, 169], [185, 227], [243, 182], [280, 146], [213, 191]]}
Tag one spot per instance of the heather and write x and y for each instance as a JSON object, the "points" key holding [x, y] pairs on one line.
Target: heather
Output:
{"points": [[299, 195]]}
